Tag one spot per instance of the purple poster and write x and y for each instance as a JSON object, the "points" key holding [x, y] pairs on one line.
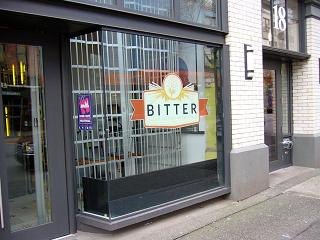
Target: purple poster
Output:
{"points": [[84, 112]]}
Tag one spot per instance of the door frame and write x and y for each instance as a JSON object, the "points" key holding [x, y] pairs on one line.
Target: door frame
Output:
{"points": [[54, 116], [271, 64]]}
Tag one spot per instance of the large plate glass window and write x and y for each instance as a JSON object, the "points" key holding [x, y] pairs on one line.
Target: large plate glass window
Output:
{"points": [[200, 12], [121, 166], [281, 23], [160, 8]]}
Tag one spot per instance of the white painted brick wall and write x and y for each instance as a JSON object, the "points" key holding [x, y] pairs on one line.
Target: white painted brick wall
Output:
{"points": [[246, 95], [306, 87]]}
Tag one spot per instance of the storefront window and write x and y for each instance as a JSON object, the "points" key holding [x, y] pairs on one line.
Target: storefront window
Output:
{"points": [[105, 2], [162, 8], [280, 24], [266, 23], [199, 11], [293, 25], [125, 164]]}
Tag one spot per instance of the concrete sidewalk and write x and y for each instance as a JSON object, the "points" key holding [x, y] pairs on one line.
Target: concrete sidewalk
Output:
{"points": [[289, 209]]}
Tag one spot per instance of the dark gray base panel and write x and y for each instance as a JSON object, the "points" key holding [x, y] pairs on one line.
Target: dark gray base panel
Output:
{"points": [[88, 222], [306, 150]]}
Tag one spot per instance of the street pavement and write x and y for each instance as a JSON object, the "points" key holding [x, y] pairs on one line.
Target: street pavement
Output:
{"points": [[288, 209]]}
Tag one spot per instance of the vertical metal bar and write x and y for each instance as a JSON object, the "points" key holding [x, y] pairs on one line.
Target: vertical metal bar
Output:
{"points": [[1, 207], [90, 67], [302, 27], [104, 95], [86, 89], [115, 140], [96, 93], [131, 89], [76, 65], [81, 89], [120, 4], [272, 22], [123, 143], [287, 23], [176, 10], [290, 97], [108, 90], [279, 123], [142, 88], [149, 67]]}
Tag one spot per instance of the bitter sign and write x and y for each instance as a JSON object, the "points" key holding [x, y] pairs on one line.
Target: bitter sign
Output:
{"points": [[169, 106]]}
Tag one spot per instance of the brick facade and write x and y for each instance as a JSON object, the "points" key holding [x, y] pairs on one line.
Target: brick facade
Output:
{"points": [[306, 87], [246, 95]]}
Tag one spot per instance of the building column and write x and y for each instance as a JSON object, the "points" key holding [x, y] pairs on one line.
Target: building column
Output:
{"points": [[249, 158], [306, 95]]}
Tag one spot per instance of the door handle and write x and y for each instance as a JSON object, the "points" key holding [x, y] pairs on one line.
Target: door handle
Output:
{"points": [[1, 207], [287, 143]]}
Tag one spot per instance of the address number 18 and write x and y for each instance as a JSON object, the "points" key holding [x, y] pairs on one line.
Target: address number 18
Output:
{"points": [[279, 14]]}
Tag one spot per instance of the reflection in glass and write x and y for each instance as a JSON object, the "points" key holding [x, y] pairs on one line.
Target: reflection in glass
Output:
{"points": [[123, 167], [293, 25], [161, 8], [270, 114], [194, 11], [285, 99], [199, 11], [104, 2], [266, 23], [279, 32], [22, 84]]}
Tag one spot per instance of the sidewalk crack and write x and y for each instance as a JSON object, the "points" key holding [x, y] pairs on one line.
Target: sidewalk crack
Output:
{"points": [[303, 231]]}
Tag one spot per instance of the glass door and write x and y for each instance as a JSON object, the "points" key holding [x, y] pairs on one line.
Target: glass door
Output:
{"points": [[29, 193], [277, 113]]}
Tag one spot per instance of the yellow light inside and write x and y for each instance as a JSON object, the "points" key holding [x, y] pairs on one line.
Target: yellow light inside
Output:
{"points": [[13, 75], [7, 122], [22, 72]]}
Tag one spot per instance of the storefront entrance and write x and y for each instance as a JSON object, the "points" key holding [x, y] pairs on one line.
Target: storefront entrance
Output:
{"points": [[277, 113], [33, 203]]}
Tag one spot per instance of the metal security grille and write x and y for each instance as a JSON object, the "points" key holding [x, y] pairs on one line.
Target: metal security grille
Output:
{"points": [[114, 69], [86, 73], [131, 63]]}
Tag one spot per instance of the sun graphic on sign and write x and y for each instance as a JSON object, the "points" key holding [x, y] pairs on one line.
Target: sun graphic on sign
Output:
{"points": [[172, 88]]}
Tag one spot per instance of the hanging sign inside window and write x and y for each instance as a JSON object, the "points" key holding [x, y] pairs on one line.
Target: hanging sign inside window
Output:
{"points": [[85, 120], [169, 106]]}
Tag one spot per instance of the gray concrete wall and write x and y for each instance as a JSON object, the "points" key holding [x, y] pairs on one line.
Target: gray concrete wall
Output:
{"points": [[306, 150], [249, 168]]}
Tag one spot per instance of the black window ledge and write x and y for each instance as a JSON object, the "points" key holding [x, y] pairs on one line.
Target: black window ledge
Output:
{"points": [[284, 54], [86, 220]]}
